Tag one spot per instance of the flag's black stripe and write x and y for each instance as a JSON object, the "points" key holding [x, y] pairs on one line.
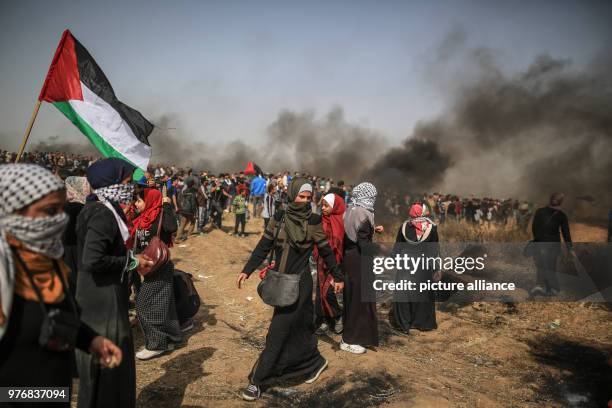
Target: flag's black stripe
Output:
{"points": [[93, 78]]}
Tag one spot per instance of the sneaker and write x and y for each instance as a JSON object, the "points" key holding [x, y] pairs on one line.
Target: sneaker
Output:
{"points": [[352, 348], [146, 354], [188, 325], [323, 328], [316, 375], [538, 290], [251, 393], [339, 326]]}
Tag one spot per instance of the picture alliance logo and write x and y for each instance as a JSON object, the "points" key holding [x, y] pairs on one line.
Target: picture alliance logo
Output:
{"points": [[412, 264]]}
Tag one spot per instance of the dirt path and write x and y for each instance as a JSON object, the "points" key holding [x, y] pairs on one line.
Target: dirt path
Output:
{"points": [[482, 355]]}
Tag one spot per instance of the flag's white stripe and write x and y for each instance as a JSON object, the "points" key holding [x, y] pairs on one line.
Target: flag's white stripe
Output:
{"points": [[107, 123]]}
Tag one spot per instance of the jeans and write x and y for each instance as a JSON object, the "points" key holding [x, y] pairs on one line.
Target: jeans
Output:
{"points": [[257, 205], [202, 217]]}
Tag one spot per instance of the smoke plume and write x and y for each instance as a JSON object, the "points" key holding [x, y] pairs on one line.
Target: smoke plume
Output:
{"points": [[546, 129]]}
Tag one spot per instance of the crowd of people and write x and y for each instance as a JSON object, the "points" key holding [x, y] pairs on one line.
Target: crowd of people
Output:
{"points": [[77, 248]]}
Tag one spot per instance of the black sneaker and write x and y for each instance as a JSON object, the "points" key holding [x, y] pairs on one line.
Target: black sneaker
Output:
{"points": [[316, 375], [251, 393]]}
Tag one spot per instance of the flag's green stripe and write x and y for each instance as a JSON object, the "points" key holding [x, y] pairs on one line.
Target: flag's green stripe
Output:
{"points": [[97, 140]]}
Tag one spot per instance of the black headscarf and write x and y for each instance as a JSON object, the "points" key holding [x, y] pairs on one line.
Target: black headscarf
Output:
{"points": [[107, 172], [297, 215]]}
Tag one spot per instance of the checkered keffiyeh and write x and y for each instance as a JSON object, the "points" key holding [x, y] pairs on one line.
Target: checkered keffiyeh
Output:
{"points": [[364, 195], [21, 184], [118, 193]]}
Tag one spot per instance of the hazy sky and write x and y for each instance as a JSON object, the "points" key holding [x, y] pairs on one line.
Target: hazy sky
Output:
{"points": [[226, 68]]}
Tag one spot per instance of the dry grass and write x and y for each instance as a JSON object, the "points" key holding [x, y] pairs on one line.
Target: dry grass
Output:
{"points": [[462, 231]]}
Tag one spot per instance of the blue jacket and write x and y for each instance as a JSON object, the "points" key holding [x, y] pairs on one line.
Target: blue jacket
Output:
{"points": [[258, 186]]}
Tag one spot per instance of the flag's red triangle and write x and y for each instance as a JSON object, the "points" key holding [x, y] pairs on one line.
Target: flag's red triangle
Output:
{"points": [[63, 81]]}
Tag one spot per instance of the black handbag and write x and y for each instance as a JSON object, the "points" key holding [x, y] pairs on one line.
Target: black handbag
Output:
{"points": [[279, 289], [60, 328]]}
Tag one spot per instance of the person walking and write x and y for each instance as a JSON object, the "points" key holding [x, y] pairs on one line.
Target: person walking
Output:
{"points": [[188, 210], [291, 346]]}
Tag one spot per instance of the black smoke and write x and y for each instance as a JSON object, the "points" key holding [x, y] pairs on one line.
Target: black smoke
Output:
{"points": [[548, 128]]}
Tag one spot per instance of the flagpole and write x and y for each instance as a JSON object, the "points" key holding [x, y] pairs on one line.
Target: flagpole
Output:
{"points": [[28, 130]]}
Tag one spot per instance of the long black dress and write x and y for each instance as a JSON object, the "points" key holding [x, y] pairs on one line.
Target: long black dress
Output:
{"points": [[155, 305], [24, 363], [360, 318], [102, 292], [291, 345], [415, 309], [70, 243]]}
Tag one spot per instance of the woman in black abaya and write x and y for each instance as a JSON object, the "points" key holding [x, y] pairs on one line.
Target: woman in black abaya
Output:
{"points": [[417, 237], [291, 345]]}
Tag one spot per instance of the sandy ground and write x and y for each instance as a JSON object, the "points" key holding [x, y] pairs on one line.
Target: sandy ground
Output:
{"points": [[482, 355]]}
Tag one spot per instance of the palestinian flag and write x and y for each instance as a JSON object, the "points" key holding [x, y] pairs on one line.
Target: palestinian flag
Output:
{"points": [[253, 169], [76, 85]]}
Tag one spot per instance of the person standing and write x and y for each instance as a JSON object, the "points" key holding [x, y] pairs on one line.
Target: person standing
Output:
{"points": [[418, 236], [202, 199], [33, 280], [327, 309], [77, 190], [549, 223], [155, 305], [258, 190], [240, 208], [102, 283], [269, 205], [291, 346], [360, 321]]}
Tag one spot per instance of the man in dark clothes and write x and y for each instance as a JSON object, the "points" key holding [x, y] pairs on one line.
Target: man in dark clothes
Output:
{"points": [[549, 223], [218, 197]]}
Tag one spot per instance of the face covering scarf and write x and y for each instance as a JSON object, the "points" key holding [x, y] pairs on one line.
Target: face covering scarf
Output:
{"points": [[42, 235], [121, 194]]}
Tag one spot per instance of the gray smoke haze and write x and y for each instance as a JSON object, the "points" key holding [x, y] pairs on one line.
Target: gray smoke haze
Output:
{"points": [[296, 141], [55, 144], [546, 129]]}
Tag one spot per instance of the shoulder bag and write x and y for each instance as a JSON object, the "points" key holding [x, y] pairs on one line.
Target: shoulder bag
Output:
{"points": [[157, 251], [279, 289]]}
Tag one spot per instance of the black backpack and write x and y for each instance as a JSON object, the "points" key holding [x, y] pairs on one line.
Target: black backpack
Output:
{"points": [[185, 295], [187, 202]]}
